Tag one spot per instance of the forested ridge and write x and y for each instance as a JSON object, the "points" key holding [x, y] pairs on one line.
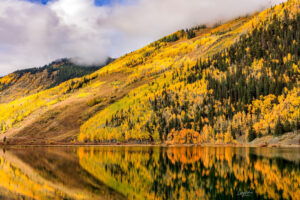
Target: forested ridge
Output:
{"points": [[57, 72], [247, 90], [261, 65]]}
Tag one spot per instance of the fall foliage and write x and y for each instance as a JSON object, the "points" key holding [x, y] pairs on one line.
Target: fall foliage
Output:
{"points": [[235, 92], [222, 84]]}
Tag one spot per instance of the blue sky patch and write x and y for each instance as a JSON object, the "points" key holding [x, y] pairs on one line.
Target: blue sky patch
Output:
{"points": [[40, 1], [97, 2], [102, 2]]}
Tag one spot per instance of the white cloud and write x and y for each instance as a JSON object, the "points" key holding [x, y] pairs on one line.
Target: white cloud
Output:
{"points": [[33, 35]]}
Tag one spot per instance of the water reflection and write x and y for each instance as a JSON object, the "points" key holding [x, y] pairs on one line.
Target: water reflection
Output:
{"points": [[150, 173], [48, 173]]}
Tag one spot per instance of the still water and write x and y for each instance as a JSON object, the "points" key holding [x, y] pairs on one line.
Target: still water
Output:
{"points": [[149, 173]]}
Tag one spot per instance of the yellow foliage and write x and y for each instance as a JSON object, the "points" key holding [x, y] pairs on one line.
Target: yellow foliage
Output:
{"points": [[185, 136]]}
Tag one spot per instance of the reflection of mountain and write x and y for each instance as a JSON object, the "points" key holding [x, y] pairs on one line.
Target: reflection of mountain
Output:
{"points": [[149, 173], [48, 173], [129, 171], [195, 173]]}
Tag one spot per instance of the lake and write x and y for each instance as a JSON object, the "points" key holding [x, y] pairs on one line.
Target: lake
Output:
{"points": [[149, 173]]}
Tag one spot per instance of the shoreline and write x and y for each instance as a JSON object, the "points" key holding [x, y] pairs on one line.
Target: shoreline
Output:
{"points": [[148, 145], [288, 140]]}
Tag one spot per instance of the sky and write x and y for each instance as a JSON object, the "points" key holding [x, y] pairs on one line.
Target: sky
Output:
{"points": [[96, 2], [36, 32]]}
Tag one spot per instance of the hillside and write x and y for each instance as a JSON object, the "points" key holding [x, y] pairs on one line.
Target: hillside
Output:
{"points": [[229, 83], [29, 81]]}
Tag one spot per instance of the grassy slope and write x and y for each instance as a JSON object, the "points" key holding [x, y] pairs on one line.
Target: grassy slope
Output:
{"points": [[56, 114]]}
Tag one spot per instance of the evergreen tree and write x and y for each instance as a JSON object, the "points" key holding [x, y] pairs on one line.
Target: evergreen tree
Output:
{"points": [[279, 128], [269, 130], [251, 134], [287, 126]]}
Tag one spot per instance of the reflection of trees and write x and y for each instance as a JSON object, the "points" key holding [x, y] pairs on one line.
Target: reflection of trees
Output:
{"points": [[184, 155], [129, 171], [192, 173], [48, 173], [19, 185]]}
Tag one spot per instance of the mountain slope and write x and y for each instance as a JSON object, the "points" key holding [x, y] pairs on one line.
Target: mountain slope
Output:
{"points": [[193, 86], [247, 90], [33, 80]]}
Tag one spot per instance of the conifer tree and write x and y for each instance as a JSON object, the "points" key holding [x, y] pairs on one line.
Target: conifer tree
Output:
{"points": [[279, 128]]}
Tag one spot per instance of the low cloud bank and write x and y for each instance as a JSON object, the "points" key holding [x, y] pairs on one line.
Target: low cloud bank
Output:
{"points": [[32, 34]]}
